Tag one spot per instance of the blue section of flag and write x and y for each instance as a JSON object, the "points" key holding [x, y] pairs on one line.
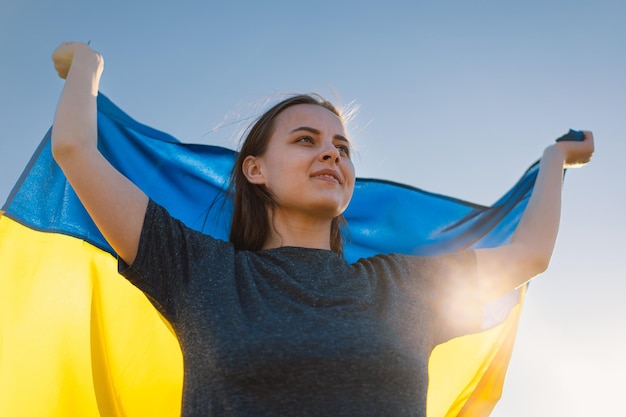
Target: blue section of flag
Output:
{"points": [[191, 181]]}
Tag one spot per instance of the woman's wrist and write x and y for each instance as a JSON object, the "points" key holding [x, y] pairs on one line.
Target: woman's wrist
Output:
{"points": [[554, 153], [85, 70]]}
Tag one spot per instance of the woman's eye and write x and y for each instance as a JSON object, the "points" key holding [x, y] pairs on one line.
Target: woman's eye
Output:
{"points": [[344, 150], [306, 139]]}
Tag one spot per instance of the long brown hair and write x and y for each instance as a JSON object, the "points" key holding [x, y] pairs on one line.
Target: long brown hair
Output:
{"points": [[251, 224]]}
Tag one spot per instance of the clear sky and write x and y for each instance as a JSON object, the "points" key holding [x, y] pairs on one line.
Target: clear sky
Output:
{"points": [[456, 97]]}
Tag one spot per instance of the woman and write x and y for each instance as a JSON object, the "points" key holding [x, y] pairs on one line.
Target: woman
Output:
{"points": [[275, 322]]}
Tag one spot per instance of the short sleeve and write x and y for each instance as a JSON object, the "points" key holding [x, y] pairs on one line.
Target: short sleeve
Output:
{"points": [[451, 287], [173, 261]]}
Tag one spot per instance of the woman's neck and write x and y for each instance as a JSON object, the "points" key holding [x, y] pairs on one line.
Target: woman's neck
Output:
{"points": [[298, 230]]}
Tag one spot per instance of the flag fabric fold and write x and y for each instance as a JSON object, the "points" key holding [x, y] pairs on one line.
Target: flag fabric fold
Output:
{"points": [[77, 339]]}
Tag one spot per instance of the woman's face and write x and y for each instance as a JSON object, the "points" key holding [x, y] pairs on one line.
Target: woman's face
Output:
{"points": [[307, 165]]}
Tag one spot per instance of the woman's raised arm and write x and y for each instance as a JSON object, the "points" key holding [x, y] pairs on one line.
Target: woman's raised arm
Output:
{"points": [[528, 254], [115, 204]]}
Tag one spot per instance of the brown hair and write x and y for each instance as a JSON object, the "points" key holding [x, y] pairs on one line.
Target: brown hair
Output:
{"points": [[251, 225]]}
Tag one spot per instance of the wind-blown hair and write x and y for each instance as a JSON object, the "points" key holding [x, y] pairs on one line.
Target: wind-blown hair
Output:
{"points": [[251, 222]]}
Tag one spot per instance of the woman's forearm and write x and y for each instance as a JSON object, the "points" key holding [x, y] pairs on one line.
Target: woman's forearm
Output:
{"points": [[503, 268], [539, 225], [75, 120]]}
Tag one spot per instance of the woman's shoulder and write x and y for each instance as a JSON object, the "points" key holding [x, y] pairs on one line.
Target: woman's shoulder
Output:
{"points": [[406, 265]]}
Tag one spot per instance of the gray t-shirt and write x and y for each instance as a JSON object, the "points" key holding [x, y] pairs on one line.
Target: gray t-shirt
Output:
{"points": [[300, 332]]}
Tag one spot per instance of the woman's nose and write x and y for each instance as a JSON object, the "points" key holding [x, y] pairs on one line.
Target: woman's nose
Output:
{"points": [[330, 152]]}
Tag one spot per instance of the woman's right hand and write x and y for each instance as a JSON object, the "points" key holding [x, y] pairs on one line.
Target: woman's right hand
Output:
{"points": [[63, 56]]}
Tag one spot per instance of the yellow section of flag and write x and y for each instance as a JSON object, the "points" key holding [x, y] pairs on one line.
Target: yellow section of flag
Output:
{"points": [[76, 339], [466, 374]]}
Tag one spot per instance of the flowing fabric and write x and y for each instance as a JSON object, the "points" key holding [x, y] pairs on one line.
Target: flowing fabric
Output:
{"points": [[77, 339]]}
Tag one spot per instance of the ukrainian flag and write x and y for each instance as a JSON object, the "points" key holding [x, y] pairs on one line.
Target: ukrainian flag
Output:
{"points": [[76, 339]]}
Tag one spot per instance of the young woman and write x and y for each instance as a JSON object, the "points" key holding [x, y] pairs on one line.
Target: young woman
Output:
{"points": [[276, 322]]}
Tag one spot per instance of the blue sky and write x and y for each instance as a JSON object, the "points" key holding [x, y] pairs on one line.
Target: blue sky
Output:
{"points": [[455, 97]]}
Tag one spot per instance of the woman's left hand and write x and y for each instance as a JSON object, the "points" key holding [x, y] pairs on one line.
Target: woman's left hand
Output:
{"points": [[576, 153]]}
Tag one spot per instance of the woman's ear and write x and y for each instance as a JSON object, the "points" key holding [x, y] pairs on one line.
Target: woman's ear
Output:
{"points": [[251, 168]]}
